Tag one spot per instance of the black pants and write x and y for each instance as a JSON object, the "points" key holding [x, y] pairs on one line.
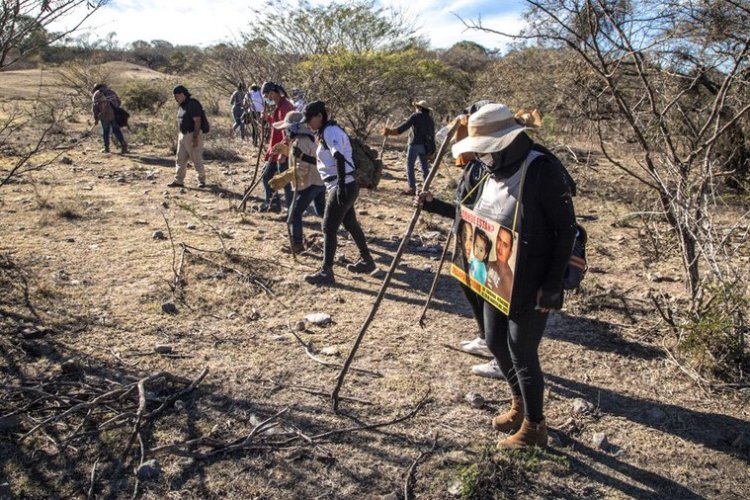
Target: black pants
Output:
{"points": [[515, 344], [337, 213], [477, 308]]}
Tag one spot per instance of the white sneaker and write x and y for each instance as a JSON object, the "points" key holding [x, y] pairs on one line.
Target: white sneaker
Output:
{"points": [[489, 370], [476, 346]]}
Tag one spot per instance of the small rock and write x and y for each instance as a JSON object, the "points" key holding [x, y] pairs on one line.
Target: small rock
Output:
{"points": [[163, 349], [140, 222], [427, 268], [319, 319], [150, 470], [159, 235], [165, 204], [656, 415], [299, 326], [474, 399], [553, 440], [169, 308], [456, 488], [254, 314], [70, 240], [582, 406], [363, 212], [191, 226], [150, 176], [121, 180], [179, 405], [8, 424], [599, 440], [330, 351], [431, 235], [66, 160], [222, 195], [71, 367], [183, 191]]}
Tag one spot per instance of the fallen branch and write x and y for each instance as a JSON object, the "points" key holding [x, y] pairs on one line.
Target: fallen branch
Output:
{"points": [[391, 271], [410, 472]]}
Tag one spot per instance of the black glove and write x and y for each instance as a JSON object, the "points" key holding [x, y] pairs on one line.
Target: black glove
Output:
{"points": [[549, 300], [341, 193]]}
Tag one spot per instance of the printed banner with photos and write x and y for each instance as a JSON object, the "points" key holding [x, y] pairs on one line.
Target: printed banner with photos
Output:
{"points": [[485, 258]]}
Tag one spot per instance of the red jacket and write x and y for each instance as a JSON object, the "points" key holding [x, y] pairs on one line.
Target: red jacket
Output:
{"points": [[277, 136]]}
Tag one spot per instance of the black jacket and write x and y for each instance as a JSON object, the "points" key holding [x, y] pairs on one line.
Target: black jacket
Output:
{"points": [[548, 226], [423, 127]]}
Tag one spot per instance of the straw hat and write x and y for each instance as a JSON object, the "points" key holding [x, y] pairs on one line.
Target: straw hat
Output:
{"points": [[492, 128], [290, 119], [422, 104]]}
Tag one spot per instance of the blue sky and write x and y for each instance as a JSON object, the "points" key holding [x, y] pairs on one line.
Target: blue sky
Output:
{"points": [[204, 22]]}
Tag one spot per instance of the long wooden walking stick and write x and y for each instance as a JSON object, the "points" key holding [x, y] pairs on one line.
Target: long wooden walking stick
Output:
{"points": [[435, 281], [389, 274]]}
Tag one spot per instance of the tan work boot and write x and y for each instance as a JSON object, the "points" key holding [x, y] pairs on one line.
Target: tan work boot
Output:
{"points": [[530, 434], [512, 419]]}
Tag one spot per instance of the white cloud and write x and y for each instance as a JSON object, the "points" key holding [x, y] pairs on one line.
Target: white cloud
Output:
{"points": [[201, 22]]}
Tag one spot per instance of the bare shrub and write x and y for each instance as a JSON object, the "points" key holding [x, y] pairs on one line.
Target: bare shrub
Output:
{"points": [[142, 95]]}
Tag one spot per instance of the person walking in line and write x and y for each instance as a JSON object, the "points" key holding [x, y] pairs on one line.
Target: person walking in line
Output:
{"points": [[237, 102], [255, 105], [104, 102], [192, 121], [522, 178], [336, 168], [305, 178], [275, 95], [421, 142]]}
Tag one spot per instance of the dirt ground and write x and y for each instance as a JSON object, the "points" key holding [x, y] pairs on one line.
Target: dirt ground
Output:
{"points": [[626, 421]]}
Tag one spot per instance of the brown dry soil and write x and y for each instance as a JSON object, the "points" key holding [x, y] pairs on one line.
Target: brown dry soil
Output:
{"points": [[82, 231]]}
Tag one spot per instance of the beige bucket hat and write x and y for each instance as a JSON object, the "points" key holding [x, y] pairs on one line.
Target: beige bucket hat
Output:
{"points": [[290, 119], [492, 128]]}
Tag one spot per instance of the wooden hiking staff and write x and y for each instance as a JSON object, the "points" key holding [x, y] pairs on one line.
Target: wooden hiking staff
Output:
{"points": [[293, 165], [391, 270], [435, 280], [255, 182]]}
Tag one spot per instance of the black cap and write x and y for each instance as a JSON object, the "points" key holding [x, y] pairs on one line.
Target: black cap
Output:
{"points": [[180, 89], [313, 109], [269, 87]]}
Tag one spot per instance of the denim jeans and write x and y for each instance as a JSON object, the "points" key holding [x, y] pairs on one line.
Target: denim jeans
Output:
{"points": [[271, 169], [237, 113], [313, 194], [412, 153], [106, 127]]}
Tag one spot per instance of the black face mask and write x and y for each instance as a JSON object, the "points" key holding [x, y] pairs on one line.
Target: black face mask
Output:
{"points": [[506, 161]]}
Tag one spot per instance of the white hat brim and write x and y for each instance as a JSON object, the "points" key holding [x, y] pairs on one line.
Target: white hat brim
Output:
{"points": [[281, 125], [497, 141]]}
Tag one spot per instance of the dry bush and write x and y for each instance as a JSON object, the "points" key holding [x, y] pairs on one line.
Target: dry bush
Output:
{"points": [[160, 130], [80, 77], [142, 95]]}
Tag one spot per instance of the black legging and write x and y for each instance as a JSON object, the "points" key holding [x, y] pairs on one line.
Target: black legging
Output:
{"points": [[477, 308], [336, 214], [515, 344]]}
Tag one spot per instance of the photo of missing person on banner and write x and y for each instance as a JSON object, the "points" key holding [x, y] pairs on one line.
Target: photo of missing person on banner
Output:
{"points": [[484, 258]]}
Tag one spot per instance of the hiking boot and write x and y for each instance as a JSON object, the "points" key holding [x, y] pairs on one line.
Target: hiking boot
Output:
{"points": [[512, 419], [201, 184], [362, 266], [105, 150], [269, 207], [490, 370], [323, 277], [476, 346], [530, 434], [124, 148], [175, 184], [409, 192]]}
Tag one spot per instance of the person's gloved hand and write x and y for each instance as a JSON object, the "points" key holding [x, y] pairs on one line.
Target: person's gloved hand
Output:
{"points": [[280, 149], [548, 301], [422, 197], [341, 193]]}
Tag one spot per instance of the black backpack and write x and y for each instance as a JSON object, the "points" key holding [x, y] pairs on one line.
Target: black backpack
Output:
{"points": [[577, 264], [121, 117]]}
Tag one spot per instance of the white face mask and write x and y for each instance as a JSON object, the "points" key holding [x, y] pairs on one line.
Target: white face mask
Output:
{"points": [[269, 102]]}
